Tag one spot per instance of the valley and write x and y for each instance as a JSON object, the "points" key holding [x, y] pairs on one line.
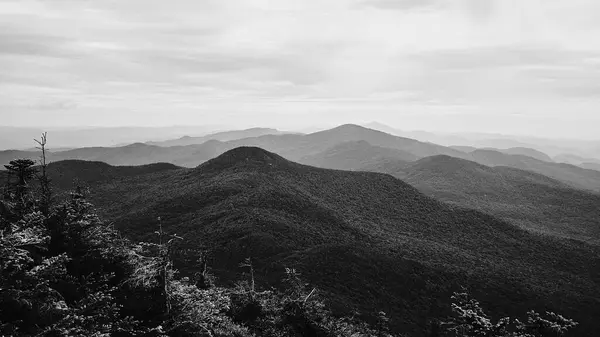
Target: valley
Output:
{"points": [[376, 221]]}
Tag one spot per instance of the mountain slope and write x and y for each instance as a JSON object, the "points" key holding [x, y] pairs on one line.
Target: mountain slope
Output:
{"points": [[524, 151], [67, 173], [291, 146], [573, 175], [370, 241], [463, 148], [7, 155], [569, 158], [220, 136], [132, 154], [355, 155], [295, 147], [591, 166], [530, 200]]}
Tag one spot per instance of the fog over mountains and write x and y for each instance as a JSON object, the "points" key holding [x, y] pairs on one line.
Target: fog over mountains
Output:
{"points": [[327, 149], [339, 168], [411, 219], [407, 249]]}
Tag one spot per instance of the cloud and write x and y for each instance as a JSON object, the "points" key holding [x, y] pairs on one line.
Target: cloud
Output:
{"points": [[473, 9], [75, 58], [514, 72], [400, 4], [503, 56], [19, 43]]}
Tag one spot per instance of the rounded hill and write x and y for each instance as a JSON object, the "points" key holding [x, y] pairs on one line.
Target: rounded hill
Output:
{"points": [[247, 156]]}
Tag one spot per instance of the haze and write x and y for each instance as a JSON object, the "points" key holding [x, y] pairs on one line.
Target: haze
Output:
{"points": [[524, 67]]}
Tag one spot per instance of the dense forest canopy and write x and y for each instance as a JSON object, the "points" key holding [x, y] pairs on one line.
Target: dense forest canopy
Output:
{"points": [[65, 272]]}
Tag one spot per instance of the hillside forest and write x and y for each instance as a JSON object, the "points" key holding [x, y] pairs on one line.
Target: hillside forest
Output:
{"points": [[65, 271]]}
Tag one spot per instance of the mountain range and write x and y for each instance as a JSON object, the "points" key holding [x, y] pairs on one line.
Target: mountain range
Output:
{"points": [[22, 138], [527, 199], [220, 136], [293, 146], [349, 147], [368, 240]]}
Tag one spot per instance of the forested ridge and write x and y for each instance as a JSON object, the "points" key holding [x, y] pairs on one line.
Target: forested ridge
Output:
{"points": [[65, 272]]}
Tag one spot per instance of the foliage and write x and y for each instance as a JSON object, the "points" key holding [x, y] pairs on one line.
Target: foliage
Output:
{"points": [[469, 319], [368, 241], [17, 193], [66, 273], [89, 280]]}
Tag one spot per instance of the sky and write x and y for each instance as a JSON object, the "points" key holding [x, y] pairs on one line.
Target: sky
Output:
{"points": [[527, 67]]}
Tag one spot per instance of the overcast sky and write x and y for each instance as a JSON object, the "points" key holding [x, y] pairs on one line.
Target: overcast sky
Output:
{"points": [[510, 66]]}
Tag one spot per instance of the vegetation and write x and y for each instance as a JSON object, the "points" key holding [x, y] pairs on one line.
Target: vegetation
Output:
{"points": [[469, 319], [66, 273], [528, 199], [367, 241], [355, 155], [186, 152], [570, 174]]}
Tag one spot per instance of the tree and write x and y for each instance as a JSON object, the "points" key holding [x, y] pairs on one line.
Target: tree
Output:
{"points": [[469, 319], [45, 191], [18, 192]]}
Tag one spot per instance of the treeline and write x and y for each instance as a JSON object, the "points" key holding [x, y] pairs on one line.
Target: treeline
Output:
{"points": [[64, 272]]}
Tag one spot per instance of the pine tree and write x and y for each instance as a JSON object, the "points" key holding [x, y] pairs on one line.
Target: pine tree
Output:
{"points": [[18, 193]]}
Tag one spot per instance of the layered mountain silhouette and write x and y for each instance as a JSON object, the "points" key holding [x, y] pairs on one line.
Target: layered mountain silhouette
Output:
{"points": [[591, 166], [525, 151], [522, 151], [296, 147], [21, 137], [368, 240], [67, 174], [463, 148], [291, 146], [132, 154], [573, 175], [356, 155], [220, 136], [530, 200], [349, 147]]}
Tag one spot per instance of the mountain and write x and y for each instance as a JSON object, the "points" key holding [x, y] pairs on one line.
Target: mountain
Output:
{"points": [[500, 143], [572, 175], [382, 127], [573, 159], [141, 154], [22, 138], [529, 200], [291, 146], [300, 147], [355, 155], [132, 154], [67, 173], [221, 136], [521, 151], [295, 147], [423, 136], [525, 151], [591, 166], [463, 148], [369, 241], [7, 155]]}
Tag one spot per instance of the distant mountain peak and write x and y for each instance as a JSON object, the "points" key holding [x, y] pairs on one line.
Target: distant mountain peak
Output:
{"points": [[244, 155], [351, 129], [351, 126], [136, 145]]}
